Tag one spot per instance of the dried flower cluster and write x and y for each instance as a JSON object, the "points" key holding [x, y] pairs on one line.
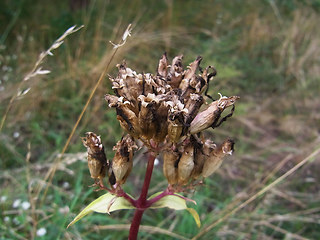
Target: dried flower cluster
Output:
{"points": [[167, 114], [165, 111]]}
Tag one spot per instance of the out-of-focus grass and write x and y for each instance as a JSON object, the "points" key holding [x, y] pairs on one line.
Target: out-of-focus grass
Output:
{"points": [[266, 52]]}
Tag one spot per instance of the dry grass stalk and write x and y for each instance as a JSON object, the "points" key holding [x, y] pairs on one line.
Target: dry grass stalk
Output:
{"points": [[37, 70], [50, 174]]}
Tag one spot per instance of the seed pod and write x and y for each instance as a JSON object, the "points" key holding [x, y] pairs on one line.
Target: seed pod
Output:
{"points": [[170, 166], [175, 127], [97, 161], [211, 115], [197, 83], [186, 165], [123, 158], [162, 124], [192, 83], [147, 116], [193, 105], [163, 66], [176, 72], [192, 68], [213, 162], [201, 154], [126, 116], [147, 84], [131, 86]]}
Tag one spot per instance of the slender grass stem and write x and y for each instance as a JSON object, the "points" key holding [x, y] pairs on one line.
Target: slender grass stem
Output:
{"points": [[9, 107]]}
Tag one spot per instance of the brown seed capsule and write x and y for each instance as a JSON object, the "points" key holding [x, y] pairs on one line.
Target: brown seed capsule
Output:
{"points": [[123, 159], [170, 166], [192, 68], [211, 115], [162, 124], [175, 127], [186, 165], [130, 86], [192, 83], [126, 116], [197, 83], [97, 161], [147, 116], [193, 105], [176, 72], [163, 66], [148, 84], [201, 154], [213, 162]]}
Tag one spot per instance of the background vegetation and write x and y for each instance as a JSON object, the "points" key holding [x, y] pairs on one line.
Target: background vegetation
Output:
{"points": [[267, 52]]}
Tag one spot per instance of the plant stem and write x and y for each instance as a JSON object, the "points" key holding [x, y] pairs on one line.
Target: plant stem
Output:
{"points": [[127, 197], [157, 198], [134, 228], [144, 191], [142, 200]]}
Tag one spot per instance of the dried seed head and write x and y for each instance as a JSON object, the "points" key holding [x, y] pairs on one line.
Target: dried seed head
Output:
{"points": [[123, 159], [128, 84], [192, 68], [147, 118], [164, 110], [213, 162], [170, 166], [163, 66], [206, 118], [225, 102], [125, 114], [202, 153], [175, 126], [193, 105], [176, 72], [211, 115], [226, 148], [97, 161], [186, 165]]}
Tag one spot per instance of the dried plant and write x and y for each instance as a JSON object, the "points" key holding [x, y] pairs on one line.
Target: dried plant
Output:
{"points": [[166, 113]]}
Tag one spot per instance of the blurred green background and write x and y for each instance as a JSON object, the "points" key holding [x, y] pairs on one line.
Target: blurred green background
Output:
{"points": [[266, 51]]}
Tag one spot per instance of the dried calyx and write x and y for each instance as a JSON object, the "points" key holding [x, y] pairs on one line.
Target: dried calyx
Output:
{"points": [[123, 160], [97, 161], [166, 110]]}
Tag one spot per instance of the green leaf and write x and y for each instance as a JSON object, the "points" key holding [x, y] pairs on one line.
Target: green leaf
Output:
{"points": [[195, 216], [176, 202], [105, 204]]}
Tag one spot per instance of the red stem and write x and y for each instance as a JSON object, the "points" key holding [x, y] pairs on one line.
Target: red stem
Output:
{"points": [[123, 194], [141, 203], [134, 228], [157, 198]]}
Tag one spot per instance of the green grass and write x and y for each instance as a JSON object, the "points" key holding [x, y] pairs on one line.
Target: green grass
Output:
{"points": [[265, 53]]}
